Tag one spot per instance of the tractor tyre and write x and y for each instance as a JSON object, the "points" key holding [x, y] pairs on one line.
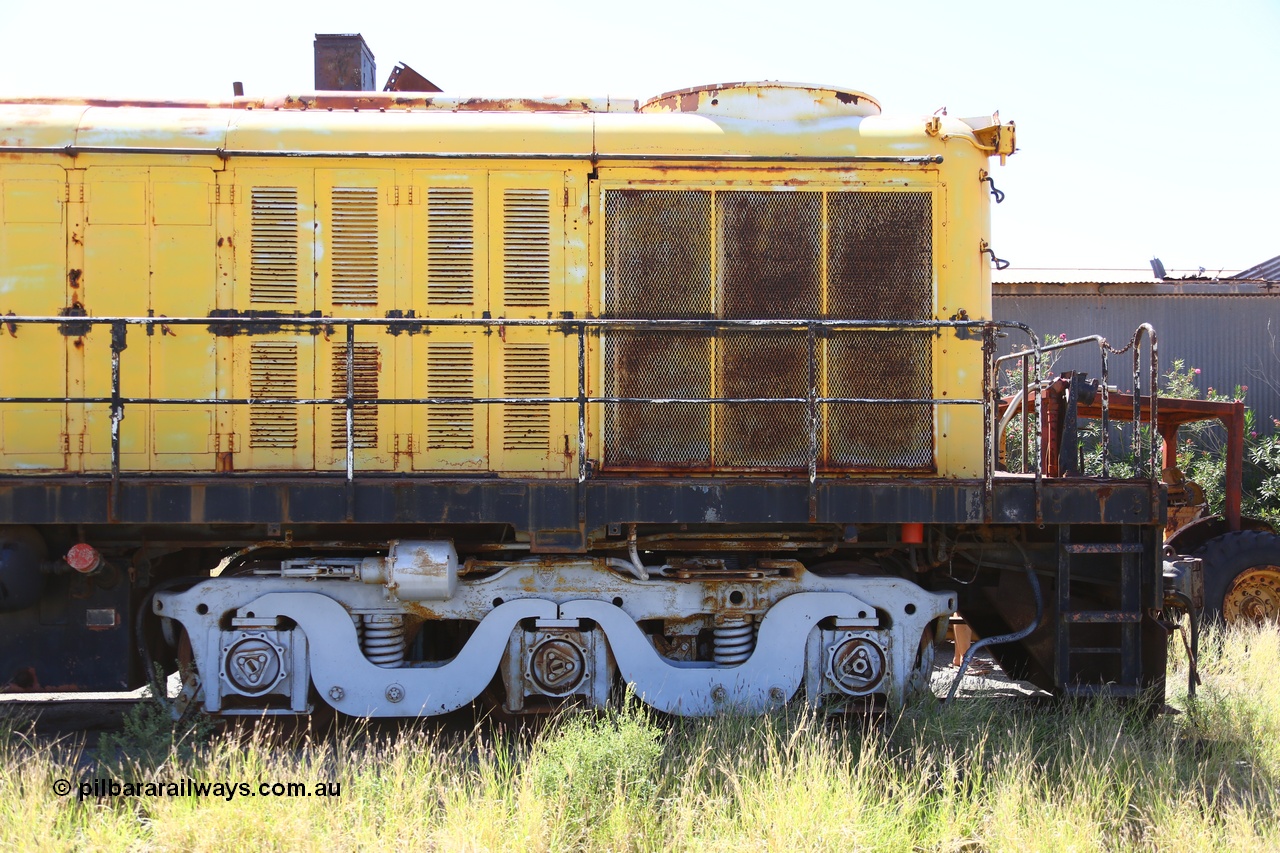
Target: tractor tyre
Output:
{"points": [[1242, 577]]}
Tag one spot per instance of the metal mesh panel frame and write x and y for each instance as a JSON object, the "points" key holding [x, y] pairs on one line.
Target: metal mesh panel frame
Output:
{"points": [[762, 435], [879, 436], [658, 364], [863, 254]]}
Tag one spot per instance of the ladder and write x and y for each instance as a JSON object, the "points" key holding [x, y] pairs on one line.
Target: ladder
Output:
{"points": [[1127, 618]]}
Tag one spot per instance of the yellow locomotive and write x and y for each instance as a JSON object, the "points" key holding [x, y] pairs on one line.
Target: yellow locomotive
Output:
{"points": [[395, 401]]}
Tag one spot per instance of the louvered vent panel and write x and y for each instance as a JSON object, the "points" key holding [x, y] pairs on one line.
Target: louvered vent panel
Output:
{"points": [[353, 245], [451, 246], [273, 374], [273, 245], [365, 417], [526, 252], [451, 373], [527, 426]]}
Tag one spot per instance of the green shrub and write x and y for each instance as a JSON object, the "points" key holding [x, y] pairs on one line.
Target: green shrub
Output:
{"points": [[591, 766]]}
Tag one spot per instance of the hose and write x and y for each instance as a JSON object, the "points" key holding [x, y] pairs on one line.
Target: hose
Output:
{"points": [[158, 689], [637, 568], [1004, 638]]}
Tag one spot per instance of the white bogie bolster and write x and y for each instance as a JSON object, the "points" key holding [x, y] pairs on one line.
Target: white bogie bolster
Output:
{"points": [[767, 679], [783, 659], [354, 685]]}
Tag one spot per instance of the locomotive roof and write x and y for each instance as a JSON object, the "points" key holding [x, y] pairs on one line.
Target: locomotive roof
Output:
{"points": [[761, 119]]}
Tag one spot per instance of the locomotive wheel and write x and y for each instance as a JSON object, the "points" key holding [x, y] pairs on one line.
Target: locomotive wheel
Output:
{"points": [[1242, 577]]}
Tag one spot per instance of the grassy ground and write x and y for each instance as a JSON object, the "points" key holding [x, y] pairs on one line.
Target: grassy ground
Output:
{"points": [[975, 775]]}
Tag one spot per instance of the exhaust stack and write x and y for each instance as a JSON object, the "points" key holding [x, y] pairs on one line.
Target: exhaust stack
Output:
{"points": [[344, 63]]}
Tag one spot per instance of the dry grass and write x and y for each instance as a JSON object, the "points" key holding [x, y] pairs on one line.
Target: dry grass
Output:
{"points": [[975, 775]]}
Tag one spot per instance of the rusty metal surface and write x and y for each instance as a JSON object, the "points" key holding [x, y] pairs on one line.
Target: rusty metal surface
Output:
{"points": [[770, 261], [736, 99], [1254, 596], [337, 100], [343, 62], [1104, 548], [260, 500], [405, 79]]}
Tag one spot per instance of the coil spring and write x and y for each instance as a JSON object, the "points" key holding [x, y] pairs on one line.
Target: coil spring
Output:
{"points": [[383, 639], [732, 641], [358, 621]]}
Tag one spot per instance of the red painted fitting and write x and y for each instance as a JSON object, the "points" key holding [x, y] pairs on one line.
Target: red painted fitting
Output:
{"points": [[84, 558], [913, 533]]}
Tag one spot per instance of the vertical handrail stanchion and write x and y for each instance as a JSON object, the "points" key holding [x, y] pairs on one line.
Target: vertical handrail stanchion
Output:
{"points": [[118, 344], [812, 408], [1026, 411], [1137, 396], [1155, 405], [990, 421], [582, 402], [351, 416], [1154, 470], [1039, 445], [582, 428], [1106, 414]]}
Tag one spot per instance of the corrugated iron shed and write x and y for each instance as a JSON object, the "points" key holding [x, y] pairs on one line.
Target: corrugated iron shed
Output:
{"points": [[1230, 329]]}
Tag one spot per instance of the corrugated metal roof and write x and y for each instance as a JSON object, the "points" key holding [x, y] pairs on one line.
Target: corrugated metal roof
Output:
{"points": [[1265, 271], [1067, 275], [1151, 287], [1104, 275]]}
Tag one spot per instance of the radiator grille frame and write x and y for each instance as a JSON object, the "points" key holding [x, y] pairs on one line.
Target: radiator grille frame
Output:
{"points": [[865, 254]]}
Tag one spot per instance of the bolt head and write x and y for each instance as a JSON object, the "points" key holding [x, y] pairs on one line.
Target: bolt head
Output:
{"points": [[777, 694], [395, 693], [336, 693], [718, 693]]}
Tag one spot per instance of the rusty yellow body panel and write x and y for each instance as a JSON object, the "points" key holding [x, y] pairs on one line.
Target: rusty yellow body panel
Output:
{"points": [[777, 201]]}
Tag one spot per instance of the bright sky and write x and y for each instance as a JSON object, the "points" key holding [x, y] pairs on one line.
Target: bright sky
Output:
{"points": [[1144, 128]]}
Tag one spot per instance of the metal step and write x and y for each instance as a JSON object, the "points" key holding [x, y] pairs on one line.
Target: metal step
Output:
{"points": [[1119, 690], [1108, 617], [1105, 548], [1127, 617]]}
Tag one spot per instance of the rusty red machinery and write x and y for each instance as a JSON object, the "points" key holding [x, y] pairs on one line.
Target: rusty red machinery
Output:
{"points": [[1240, 556]]}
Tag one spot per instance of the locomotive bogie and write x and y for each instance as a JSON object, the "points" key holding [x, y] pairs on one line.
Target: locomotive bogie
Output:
{"points": [[548, 630]]}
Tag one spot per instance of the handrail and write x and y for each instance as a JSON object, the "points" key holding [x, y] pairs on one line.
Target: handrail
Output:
{"points": [[1104, 350], [580, 328]]}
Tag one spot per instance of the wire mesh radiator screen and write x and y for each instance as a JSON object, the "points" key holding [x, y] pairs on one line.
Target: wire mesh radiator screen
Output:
{"points": [[741, 254]]}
